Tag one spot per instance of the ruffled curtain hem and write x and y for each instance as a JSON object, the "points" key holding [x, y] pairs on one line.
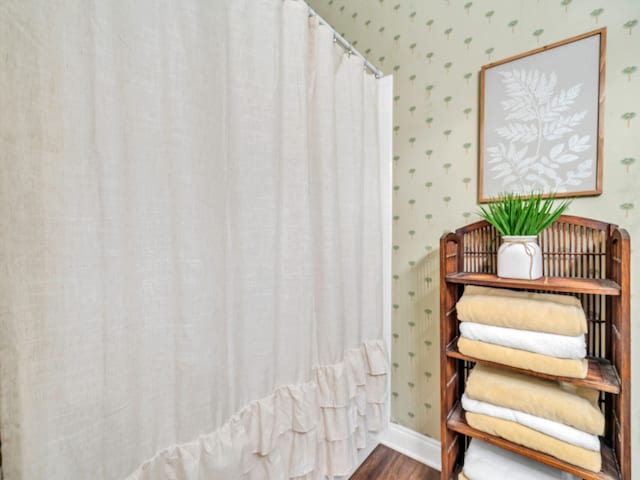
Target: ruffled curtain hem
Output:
{"points": [[307, 431]]}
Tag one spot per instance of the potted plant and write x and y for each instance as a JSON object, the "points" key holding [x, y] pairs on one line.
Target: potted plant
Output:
{"points": [[520, 219]]}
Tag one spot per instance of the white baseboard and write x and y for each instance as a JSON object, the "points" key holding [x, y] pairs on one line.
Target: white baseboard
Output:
{"points": [[412, 444], [404, 440]]}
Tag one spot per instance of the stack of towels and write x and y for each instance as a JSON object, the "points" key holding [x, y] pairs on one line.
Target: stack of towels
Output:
{"points": [[486, 461], [535, 331], [555, 418], [540, 332]]}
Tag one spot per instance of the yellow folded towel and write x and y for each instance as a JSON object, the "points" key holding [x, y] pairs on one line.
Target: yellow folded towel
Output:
{"points": [[516, 433], [513, 357], [541, 312], [560, 402]]}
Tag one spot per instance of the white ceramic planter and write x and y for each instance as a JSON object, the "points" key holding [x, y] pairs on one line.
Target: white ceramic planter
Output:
{"points": [[520, 257]]}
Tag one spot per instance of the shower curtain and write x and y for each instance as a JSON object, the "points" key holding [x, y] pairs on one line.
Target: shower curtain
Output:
{"points": [[190, 242]]}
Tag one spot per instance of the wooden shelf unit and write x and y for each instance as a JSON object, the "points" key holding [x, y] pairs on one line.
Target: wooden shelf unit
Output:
{"points": [[584, 257]]}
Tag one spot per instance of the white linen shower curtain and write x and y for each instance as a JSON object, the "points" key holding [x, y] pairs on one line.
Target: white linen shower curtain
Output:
{"points": [[190, 242]]}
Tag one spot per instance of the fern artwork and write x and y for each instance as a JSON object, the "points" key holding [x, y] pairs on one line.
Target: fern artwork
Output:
{"points": [[540, 121]]}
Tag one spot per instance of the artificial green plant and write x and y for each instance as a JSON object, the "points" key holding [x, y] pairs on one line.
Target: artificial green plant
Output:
{"points": [[515, 214]]}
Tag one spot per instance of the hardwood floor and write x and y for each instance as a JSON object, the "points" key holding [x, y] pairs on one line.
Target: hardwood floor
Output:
{"points": [[387, 464]]}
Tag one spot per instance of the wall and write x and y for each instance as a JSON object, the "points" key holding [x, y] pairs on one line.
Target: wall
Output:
{"points": [[434, 49]]}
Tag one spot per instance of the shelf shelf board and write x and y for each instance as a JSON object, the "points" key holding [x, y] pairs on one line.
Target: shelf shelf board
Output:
{"points": [[601, 374], [597, 286], [458, 423]]}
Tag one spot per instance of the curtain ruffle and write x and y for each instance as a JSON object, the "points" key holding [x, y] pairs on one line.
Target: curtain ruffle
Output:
{"points": [[301, 432]]}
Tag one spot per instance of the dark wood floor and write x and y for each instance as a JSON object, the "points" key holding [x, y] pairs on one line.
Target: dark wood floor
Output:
{"points": [[387, 464]]}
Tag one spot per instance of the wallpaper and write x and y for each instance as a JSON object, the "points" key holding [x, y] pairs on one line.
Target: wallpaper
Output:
{"points": [[435, 49]]}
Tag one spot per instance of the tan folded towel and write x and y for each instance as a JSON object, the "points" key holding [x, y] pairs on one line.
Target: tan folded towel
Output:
{"points": [[513, 357], [540, 312], [461, 476], [516, 433], [560, 402]]}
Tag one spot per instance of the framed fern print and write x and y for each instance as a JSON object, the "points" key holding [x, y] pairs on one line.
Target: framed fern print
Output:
{"points": [[541, 120]]}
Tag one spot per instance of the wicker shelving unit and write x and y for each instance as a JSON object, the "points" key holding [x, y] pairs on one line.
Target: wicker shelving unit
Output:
{"points": [[586, 258]]}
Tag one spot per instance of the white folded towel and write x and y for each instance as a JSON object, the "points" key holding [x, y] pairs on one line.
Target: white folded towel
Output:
{"points": [[552, 344], [557, 430], [484, 461]]}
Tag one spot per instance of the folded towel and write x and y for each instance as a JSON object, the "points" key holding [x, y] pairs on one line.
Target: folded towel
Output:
{"points": [[560, 402], [484, 461], [548, 427], [565, 367], [540, 312], [551, 344], [525, 436]]}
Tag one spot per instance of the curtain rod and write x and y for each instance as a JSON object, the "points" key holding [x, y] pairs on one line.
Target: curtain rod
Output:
{"points": [[346, 45]]}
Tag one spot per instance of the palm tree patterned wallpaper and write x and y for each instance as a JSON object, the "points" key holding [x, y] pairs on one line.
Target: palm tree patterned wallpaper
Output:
{"points": [[434, 49]]}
